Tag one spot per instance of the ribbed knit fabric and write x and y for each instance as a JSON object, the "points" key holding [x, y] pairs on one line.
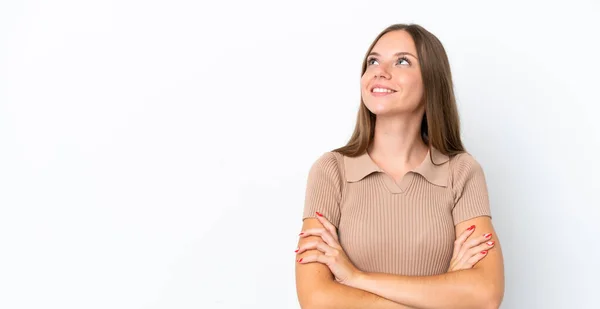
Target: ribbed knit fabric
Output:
{"points": [[405, 228]]}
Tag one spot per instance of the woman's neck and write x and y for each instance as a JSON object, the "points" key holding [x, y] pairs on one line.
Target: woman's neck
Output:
{"points": [[398, 141]]}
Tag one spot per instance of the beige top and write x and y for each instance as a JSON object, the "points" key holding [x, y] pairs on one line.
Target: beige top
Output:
{"points": [[405, 228]]}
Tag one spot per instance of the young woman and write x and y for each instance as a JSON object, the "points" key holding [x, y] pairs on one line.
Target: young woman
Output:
{"points": [[400, 216]]}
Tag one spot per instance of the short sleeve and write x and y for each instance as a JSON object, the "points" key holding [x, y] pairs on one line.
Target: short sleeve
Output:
{"points": [[470, 190], [324, 189]]}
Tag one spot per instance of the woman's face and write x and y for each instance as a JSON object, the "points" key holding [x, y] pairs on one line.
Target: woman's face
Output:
{"points": [[392, 81]]}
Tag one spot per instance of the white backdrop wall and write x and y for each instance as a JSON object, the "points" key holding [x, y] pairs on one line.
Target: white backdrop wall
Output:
{"points": [[154, 154]]}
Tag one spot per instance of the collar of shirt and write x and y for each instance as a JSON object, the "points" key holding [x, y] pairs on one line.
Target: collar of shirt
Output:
{"points": [[437, 173]]}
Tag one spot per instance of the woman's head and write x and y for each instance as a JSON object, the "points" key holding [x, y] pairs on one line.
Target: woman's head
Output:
{"points": [[412, 63], [391, 77]]}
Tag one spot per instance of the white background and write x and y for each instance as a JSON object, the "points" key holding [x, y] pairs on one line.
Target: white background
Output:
{"points": [[153, 154]]}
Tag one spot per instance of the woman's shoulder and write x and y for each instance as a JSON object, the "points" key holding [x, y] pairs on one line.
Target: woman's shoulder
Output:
{"points": [[329, 158], [464, 168], [464, 161], [329, 163]]}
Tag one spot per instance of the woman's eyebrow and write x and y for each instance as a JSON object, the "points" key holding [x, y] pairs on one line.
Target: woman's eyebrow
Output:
{"points": [[395, 55]]}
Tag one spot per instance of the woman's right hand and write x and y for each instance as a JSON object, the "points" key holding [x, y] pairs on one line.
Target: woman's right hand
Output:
{"points": [[468, 253]]}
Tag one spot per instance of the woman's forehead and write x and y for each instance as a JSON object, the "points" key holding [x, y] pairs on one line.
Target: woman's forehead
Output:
{"points": [[394, 42]]}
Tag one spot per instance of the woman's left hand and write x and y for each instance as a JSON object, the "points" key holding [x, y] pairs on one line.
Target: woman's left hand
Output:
{"points": [[333, 254]]}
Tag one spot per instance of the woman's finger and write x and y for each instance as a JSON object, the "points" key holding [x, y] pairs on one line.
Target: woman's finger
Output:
{"points": [[476, 241], [469, 263], [475, 254], [461, 240], [318, 245], [328, 225], [323, 259], [323, 233], [472, 243], [482, 247]]}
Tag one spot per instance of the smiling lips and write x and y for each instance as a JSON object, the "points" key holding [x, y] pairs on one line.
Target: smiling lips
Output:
{"points": [[380, 91]]}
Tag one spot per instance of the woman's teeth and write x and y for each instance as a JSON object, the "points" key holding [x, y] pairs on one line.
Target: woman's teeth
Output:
{"points": [[383, 90]]}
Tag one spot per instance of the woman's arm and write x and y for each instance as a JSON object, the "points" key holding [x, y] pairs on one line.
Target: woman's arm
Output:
{"points": [[479, 287], [317, 289], [315, 284]]}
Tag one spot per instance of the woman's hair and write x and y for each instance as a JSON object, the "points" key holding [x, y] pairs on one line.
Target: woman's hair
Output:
{"points": [[440, 126]]}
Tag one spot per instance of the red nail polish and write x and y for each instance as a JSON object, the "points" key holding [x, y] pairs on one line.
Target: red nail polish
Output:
{"points": [[488, 235], [489, 243], [471, 227], [296, 250], [301, 234], [319, 214], [484, 252], [300, 260]]}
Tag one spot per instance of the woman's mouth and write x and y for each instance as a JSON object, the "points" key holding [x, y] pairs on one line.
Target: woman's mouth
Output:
{"points": [[381, 92]]}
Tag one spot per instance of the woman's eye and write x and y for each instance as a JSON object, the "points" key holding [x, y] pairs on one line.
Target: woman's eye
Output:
{"points": [[403, 61]]}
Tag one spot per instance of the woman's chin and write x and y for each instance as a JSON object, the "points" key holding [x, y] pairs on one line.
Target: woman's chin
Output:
{"points": [[381, 109], [391, 108]]}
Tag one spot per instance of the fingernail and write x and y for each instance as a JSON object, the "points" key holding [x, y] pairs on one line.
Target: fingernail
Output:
{"points": [[301, 234], [482, 252], [300, 260], [319, 214], [297, 250], [488, 235], [490, 243], [471, 227]]}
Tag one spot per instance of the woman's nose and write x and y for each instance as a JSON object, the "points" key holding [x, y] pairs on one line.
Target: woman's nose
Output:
{"points": [[382, 72]]}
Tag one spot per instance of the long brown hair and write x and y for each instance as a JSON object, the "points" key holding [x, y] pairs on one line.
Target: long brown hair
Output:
{"points": [[440, 126]]}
